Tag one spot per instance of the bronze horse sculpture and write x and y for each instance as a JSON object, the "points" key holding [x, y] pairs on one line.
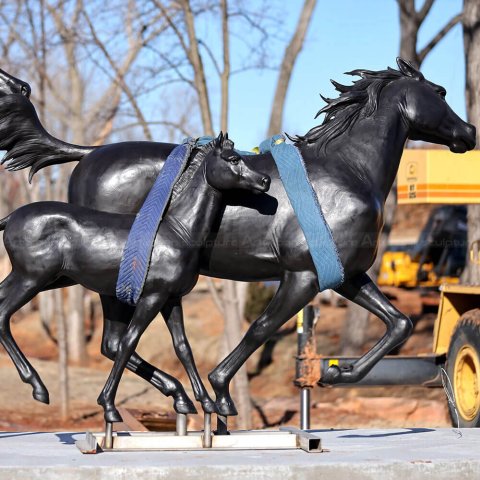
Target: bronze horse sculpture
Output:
{"points": [[49, 240], [351, 158]]}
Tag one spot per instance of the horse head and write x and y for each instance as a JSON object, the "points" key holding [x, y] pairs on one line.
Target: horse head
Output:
{"points": [[225, 169], [428, 115], [11, 85]]}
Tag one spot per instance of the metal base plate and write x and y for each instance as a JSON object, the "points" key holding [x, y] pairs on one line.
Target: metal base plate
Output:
{"points": [[285, 438]]}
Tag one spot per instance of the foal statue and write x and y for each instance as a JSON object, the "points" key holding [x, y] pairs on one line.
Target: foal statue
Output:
{"points": [[49, 240]]}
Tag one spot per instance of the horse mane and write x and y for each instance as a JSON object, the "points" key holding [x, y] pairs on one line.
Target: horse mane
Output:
{"points": [[195, 161], [360, 98], [27, 142]]}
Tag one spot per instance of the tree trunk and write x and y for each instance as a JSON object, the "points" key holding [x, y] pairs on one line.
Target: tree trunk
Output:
{"points": [[77, 345], [233, 334], [286, 68], [408, 31], [62, 354], [471, 40]]}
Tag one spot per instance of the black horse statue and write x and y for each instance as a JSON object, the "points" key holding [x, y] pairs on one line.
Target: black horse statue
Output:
{"points": [[49, 240], [351, 158]]}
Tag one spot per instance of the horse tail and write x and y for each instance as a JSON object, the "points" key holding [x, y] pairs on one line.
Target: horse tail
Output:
{"points": [[4, 221], [26, 141], [50, 152]]}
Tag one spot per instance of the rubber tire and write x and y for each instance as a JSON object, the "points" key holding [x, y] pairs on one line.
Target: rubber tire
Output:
{"points": [[467, 332]]}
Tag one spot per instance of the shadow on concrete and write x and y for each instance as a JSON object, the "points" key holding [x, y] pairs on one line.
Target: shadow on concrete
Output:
{"points": [[67, 438], [407, 431], [19, 434]]}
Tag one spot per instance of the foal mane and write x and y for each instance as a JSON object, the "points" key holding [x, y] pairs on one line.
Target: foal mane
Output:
{"points": [[194, 162], [27, 142], [360, 98]]}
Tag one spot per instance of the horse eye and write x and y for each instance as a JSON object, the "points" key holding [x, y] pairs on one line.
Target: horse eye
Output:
{"points": [[442, 93], [234, 160]]}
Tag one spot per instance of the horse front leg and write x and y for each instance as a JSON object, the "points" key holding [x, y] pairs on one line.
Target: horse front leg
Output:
{"points": [[295, 291], [363, 291], [173, 315], [117, 316]]}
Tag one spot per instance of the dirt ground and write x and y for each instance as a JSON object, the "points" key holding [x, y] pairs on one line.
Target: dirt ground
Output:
{"points": [[275, 397]]}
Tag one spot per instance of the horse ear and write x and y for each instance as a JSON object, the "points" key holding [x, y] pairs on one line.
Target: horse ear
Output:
{"points": [[219, 142], [227, 143], [408, 69]]}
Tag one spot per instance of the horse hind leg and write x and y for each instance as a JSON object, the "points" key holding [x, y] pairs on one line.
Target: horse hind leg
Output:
{"points": [[15, 292], [117, 316], [363, 291]]}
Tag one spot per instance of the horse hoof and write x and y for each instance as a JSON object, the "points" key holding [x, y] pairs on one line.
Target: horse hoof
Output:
{"points": [[112, 416], [184, 406], [225, 408], [332, 376], [208, 406], [41, 396]]}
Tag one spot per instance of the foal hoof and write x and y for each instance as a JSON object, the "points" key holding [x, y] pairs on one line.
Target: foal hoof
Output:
{"points": [[41, 396], [225, 407], [110, 413], [208, 406], [112, 416], [185, 406]]}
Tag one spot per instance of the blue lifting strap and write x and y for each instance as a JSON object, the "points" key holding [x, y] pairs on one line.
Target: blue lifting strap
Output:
{"points": [[309, 213], [138, 249]]}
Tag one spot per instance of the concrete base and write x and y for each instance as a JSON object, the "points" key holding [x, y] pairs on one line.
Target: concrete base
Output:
{"points": [[419, 453]]}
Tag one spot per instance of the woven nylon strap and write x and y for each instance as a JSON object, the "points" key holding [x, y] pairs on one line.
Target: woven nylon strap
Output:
{"points": [[138, 249], [309, 213]]}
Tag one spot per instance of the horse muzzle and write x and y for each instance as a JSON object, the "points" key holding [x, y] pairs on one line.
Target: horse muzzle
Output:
{"points": [[262, 183], [464, 140]]}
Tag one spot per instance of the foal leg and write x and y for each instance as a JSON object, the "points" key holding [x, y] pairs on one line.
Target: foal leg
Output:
{"points": [[173, 314], [117, 316], [146, 310], [15, 292], [363, 291], [295, 291]]}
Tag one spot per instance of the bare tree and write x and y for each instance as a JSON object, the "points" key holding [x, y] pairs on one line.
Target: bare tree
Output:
{"points": [[289, 58], [471, 41], [411, 20]]}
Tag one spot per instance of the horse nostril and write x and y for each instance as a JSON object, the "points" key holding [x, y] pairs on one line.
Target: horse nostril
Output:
{"points": [[472, 130]]}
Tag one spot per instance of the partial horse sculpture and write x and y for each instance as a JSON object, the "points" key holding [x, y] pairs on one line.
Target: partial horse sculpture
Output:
{"points": [[48, 240], [352, 159]]}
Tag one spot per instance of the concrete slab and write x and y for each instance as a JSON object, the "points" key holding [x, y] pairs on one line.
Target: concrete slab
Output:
{"points": [[417, 453]]}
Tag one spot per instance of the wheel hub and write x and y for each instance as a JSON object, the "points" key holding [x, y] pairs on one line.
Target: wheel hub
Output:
{"points": [[467, 382]]}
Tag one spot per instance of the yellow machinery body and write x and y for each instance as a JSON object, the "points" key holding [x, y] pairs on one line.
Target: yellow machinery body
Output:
{"points": [[399, 270], [455, 300], [439, 176]]}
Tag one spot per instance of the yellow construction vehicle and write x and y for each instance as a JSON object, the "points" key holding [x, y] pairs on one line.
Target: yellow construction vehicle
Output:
{"points": [[436, 257], [437, 176]]}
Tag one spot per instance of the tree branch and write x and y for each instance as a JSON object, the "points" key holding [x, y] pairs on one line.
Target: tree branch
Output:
{"points": [[423, 12], [119, 78], [438, 37]]}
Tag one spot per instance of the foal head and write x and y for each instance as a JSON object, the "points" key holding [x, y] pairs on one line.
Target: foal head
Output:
{"points": [[225, 169]]}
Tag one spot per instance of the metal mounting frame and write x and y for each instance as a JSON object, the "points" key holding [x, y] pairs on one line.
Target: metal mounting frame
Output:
{"points": [[124, 441]]}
